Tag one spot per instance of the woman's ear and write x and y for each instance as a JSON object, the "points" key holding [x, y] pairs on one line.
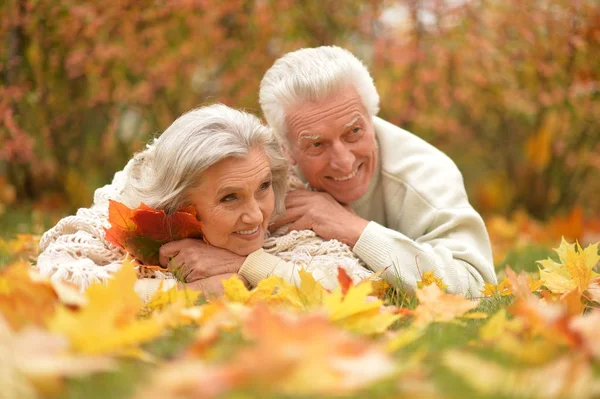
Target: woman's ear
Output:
{"points": [[288, 155]]}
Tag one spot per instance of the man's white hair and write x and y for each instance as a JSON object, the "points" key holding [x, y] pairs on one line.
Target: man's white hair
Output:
{"points": [[312, 74], [165, 176]]}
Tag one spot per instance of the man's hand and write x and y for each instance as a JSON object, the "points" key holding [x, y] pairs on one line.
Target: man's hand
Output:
{"points": [[307, 210], [212, 287], [191, 260]]}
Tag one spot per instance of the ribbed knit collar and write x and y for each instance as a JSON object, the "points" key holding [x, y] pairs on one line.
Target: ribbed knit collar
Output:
{"points": [[372, 185]]}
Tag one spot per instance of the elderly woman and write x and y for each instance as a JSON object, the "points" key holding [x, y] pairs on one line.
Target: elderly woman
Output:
{"points": [[229, 166]]}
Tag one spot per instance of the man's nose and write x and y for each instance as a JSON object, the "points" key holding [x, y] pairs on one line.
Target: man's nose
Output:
{"points": [[342, 159], [252, 214]]}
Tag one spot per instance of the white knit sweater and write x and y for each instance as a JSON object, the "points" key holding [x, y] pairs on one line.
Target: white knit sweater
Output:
{"points": [[76, 249]]}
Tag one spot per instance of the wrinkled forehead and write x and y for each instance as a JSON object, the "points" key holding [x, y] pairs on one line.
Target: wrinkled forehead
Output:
{"points": [[338, 110]]}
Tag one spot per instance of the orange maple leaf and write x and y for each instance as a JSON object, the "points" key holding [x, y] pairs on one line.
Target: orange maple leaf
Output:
{"points": [[142, 231]]}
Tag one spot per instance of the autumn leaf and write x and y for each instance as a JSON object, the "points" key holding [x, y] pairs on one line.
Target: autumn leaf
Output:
{"points": [[500, 289], [344, 280], [429, 278], [574, 271], [586, 326], [437, 306], [142, 231], [512, 337], [27, 298], [36, 361], [565, 377], [355, 310], [108, 324]]}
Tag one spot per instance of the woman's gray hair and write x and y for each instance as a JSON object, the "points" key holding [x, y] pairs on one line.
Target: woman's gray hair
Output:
{"points": [[165, 175], [311, 74]]}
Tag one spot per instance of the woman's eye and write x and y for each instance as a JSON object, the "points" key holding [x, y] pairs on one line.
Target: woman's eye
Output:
{"points": [[228, 198], [265, 185]]}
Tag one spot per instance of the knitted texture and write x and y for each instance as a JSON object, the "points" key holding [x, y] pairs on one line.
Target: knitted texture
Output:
{"points": [[76, 249]]}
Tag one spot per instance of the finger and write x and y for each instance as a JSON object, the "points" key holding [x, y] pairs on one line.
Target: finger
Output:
{"points": [[178, 267], [289, 217], [195, 285], [171, 249], [300, 224], [167, 251]]}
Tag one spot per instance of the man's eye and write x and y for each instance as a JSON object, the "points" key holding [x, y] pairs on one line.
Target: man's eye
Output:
{"points": [[265, 185], [228, 198], [316, 144], [356, 130]]}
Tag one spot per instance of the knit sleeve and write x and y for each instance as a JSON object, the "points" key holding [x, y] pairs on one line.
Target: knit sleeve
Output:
{"points": [[285, 255], [454, 250]]}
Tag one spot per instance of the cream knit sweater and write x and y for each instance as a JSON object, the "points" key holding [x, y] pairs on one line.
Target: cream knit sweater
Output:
{"points": [[76, 250]]}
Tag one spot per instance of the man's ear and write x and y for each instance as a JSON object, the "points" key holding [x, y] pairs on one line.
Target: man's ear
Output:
{"points": [[288, 155]]}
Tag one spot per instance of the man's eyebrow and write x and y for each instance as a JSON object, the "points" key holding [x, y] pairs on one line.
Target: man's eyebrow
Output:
{"points": [[356, 118], [309, 137]]}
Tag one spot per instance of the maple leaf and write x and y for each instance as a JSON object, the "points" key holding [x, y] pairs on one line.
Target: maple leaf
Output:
{"points": [[108, 324], [565, 377], [586, 326], [501, 289], [429, 278], [36, 361], [27, 298], [293, 348], [142, 231], [355, 310], [574, 269], [344, 280], [437, 306]]}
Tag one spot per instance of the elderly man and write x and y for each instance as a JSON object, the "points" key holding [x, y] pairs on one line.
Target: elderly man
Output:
{"points": [[397, 201]]}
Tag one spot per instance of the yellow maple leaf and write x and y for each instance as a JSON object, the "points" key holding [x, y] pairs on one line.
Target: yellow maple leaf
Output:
{"points": [[34, 360], [109, 323], [429, 278], [27, 298], [356, 310], [501, 289], [437, 306], [574, 269], [571, 377], [272, 290]]}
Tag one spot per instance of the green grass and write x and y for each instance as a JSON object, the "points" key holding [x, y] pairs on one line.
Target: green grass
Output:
{"points": [[27, 220]]}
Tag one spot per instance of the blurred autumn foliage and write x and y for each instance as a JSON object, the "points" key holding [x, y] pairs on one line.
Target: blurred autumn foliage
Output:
{"points": [[509, 89]]}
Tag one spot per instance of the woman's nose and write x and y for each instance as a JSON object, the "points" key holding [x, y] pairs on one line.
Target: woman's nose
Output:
{"points": [[253, 214]]}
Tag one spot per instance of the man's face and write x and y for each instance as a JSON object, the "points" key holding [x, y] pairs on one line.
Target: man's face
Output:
{"points": [[333, 143]]}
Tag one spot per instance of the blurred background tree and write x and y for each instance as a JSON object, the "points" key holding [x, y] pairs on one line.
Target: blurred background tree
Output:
{"points": [[509, 89]]}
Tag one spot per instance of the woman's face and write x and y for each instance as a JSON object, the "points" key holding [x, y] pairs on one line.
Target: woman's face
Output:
{"points": [[234, 201]]}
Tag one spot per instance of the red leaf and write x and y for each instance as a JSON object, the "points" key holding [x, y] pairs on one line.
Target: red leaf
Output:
{"points": [[142, 231], [119, 217], [344, 280]]}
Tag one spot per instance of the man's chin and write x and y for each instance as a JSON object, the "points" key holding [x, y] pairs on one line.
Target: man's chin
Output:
{"points": [[347, 197]]}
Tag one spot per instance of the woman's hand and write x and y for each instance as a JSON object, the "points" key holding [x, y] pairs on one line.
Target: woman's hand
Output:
{"points": [[212, 287], [191, 260]]}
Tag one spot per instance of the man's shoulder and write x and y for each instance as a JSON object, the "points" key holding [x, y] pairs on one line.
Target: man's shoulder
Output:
{"points": [[409, 160]]}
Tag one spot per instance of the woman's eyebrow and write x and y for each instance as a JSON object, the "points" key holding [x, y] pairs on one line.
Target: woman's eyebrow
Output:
{"points": [[230, 189]]}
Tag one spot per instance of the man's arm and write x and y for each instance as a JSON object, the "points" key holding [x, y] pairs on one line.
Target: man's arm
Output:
{"points": [[456, 249], [454, 243]]}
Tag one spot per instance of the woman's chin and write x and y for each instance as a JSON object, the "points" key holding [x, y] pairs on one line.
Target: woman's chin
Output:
{"points": [[245, 250]]}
